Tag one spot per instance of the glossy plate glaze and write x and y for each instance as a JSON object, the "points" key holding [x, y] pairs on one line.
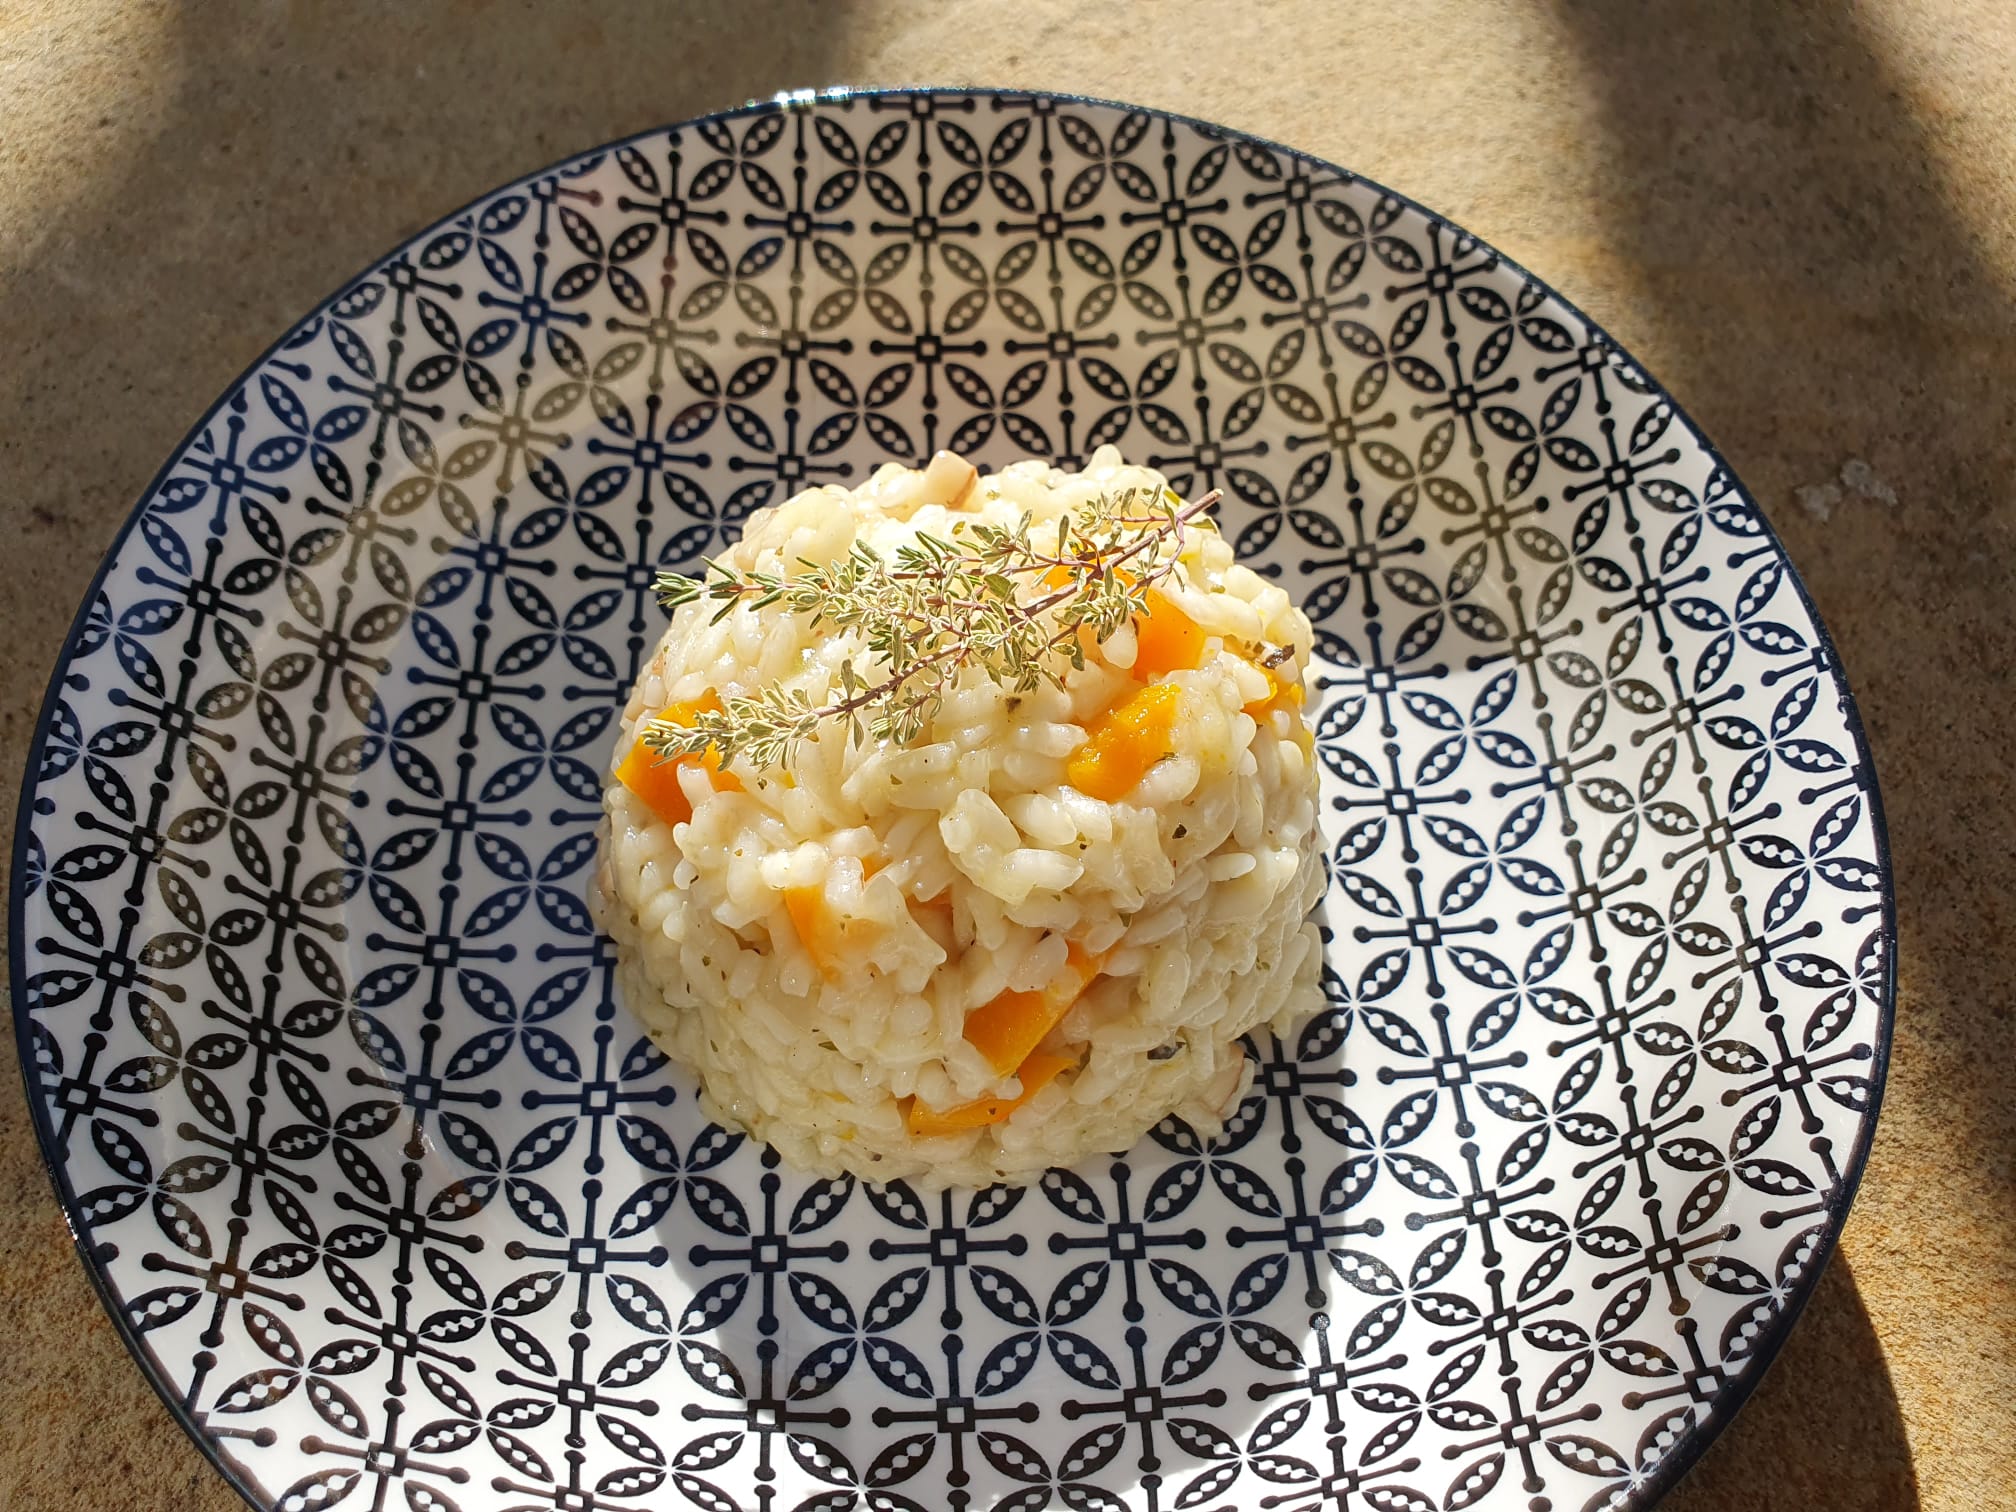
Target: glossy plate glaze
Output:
{"points": [[397, 1207]]}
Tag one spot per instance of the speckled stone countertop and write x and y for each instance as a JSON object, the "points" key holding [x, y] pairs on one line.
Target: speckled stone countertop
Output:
{"points": [[1801, 217]]}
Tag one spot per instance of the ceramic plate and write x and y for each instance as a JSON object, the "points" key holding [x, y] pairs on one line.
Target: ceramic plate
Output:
{"points": [[397, 1207]]}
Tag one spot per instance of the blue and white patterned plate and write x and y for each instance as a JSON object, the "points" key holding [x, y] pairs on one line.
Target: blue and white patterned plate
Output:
{"points": [[396, 1205]]}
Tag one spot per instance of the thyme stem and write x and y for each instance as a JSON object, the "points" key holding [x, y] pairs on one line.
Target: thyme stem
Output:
{"points": [[939, 608]]}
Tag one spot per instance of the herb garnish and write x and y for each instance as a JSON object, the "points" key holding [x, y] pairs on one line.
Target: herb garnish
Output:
{"points": [[990, 598]]}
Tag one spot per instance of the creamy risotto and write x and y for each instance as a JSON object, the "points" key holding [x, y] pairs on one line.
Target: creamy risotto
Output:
{"points": [[1023, 934]]}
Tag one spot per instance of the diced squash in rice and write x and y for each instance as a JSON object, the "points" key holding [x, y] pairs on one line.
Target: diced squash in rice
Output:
{"points": [[1020, 940]]}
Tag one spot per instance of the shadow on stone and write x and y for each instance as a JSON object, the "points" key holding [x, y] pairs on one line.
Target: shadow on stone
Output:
{"points": [[1803, 1441]]}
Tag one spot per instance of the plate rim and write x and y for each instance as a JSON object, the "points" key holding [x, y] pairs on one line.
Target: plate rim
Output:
{"points": [[1683, 1456]]}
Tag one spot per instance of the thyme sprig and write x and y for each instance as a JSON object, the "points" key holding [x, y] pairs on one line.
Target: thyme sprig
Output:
{"points": [[993, 598]]}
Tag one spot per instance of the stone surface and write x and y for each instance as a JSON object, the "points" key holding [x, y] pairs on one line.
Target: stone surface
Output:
{"points": [[1801, 217]]}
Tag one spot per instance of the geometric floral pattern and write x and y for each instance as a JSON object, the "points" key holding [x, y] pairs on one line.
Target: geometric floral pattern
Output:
{"points": [[399, 1208]]}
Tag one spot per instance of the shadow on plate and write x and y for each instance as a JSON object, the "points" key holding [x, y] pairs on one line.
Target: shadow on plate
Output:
{"points": [[880, 1334]]}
